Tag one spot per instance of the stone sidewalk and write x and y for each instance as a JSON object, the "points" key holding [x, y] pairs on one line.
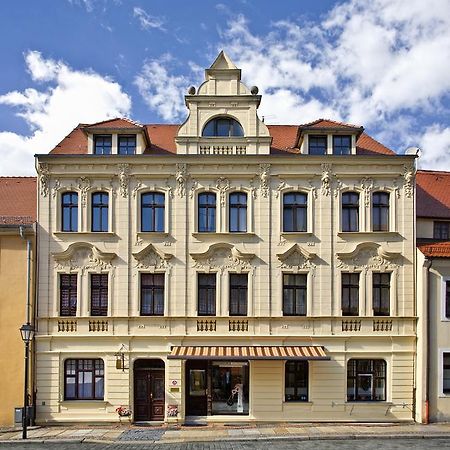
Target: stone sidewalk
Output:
{"points": [[223, 432]]}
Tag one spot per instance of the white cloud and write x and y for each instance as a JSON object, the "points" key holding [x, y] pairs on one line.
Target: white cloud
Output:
{"points": [[435, 146], [161, 91], [69, 97], [148, 21]]}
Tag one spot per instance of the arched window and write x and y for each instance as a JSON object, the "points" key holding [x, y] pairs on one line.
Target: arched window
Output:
{"points": [[100, 202], [350, 211], [69, 211], [207, 212], [366, 380], [223, 127], [152, 211], [380, 211], [295, 206], [238, 212]]}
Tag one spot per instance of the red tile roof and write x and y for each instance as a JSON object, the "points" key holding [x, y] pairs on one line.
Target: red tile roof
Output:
{"points": [[118, 122], [433, 194], [162, 137], [437, 250], [17, 200]]}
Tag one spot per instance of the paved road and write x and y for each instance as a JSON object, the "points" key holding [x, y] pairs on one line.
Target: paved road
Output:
{"points": [[353, 444]]}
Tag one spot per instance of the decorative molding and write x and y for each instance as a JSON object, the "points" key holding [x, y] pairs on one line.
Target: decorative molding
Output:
{"points": [[44, 178], [368, 255], [194, 187], [181, 176], [253, 189], [281, 185], [222, 256], [408, 175], [367, 187], [136, 188], [84, 256], [124, 176], [326, 179], [152, 258], [84, 184], [169, 188], [296, 258], [312, 188], [395, 188], [264, 178], [56, 187], [222, 184]]}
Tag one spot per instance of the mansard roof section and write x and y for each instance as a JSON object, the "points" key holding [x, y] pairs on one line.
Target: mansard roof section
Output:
{"points": [[433, 194], [285, 139], [114, 124]]}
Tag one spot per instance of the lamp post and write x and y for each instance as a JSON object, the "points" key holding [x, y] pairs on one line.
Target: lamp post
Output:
{"points": [[27, 333]]}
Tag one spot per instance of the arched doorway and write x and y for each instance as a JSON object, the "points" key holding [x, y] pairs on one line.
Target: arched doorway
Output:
{"points": [[149, 390]]}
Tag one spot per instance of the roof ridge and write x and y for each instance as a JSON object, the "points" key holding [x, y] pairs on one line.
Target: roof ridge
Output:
{"points": [[445, 172], [126, 119], [17, 176], [330, 120]]}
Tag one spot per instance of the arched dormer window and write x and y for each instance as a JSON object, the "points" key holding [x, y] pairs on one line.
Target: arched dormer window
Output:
{"points": [[223, 127]]}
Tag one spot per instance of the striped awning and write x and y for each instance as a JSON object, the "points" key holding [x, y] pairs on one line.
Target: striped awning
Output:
{"points": [[247, 352]]}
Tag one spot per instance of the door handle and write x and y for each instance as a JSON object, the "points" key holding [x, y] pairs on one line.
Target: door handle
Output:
{"points": [[151, 395]]}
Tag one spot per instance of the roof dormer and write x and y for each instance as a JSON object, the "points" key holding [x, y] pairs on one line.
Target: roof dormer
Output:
{"points": [[116, 137], [223, 115]]}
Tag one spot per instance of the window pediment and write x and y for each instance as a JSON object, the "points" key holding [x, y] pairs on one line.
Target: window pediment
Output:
{"points": [[151, 257], [296, 258], [368, 255]]}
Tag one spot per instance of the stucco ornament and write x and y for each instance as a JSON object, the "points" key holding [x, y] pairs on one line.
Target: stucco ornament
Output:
{"points": [[56, 187], [223, 184], [124, 176], [326, 179], [368, 255], [367, 186], [152, 258], [281, 185], [222, 256], [44, 178], [408, 175], [84, 256], [296, 258], [181, 176], [136, 188], [264, 178], [84, 184]]}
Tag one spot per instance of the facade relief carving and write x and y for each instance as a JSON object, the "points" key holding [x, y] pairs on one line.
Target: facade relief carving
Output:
{"points": [[44, 178], [296, 258], [326, 179], [368, 256], [264, 178], [124, 176], [181, 177], [408, 175], [223, 185], [367, 187], [84, 184], [151, 258], [84, 256], [222, 256]]}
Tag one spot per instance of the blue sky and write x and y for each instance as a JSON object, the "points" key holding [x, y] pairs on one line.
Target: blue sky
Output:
{"points": [[383, 64]]}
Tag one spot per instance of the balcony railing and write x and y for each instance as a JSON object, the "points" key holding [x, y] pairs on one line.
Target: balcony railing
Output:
{"points": [[223, 149]]}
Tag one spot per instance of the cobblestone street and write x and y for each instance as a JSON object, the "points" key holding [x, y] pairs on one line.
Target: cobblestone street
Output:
{"points": [[354, 444]]}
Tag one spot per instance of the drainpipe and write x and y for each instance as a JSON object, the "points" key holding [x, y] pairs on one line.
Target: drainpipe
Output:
{"points": [[428, 264], [28, 241]]}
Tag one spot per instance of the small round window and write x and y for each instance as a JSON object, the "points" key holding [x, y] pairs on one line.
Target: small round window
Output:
{"points": [[223, 127]]}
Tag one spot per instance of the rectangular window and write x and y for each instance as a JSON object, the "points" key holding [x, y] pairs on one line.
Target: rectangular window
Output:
{"points": [[69, 211], [67, 295], [102, 144], [207, 212], [296, 381], [127, 144], [366, 380], [99, 210], [342, 145], [350, 294], [206, 294], [350, 211], [99, 294], [381, 293], [294, 294], [317, 145], [380, 211], [447, 299], [84, 379], [446, 373], [152, 294], [441, 230], [238, 294], [295, 212]]}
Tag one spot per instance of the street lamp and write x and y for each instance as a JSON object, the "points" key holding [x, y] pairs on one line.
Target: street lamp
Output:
{"points": [[27, 333]]}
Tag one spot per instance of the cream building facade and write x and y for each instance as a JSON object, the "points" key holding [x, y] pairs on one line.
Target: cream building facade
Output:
{"points": [[225, 269]]}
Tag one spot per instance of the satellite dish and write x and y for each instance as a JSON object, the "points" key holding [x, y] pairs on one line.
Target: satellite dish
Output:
{"points": [[254, 90], [413, 151], [191, 90]]}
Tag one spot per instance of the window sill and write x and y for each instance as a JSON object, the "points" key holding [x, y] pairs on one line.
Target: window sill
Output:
{"points": [[348, 234], [84, 233], [199, 234], [149, 234], [296, 233], [368, 402], [297, 402], [83, 402]]}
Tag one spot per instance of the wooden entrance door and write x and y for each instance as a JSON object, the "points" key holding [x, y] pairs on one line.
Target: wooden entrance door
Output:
{"points": [[148, 395], [196, 388]]}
